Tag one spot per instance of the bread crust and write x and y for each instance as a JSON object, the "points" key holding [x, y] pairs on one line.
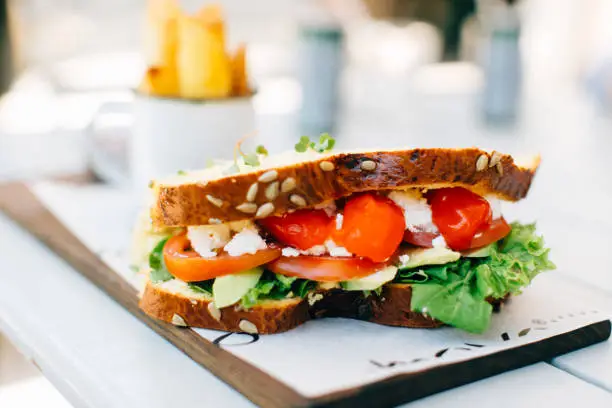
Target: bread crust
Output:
{"points": [[339, 175], [392, 307]]}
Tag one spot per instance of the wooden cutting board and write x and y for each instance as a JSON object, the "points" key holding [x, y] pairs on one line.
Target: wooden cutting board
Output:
{"points": [[19, 203]]}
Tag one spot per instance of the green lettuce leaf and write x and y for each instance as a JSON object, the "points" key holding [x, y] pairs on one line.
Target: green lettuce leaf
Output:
{"points": [[273, 286], [457, 293], [159, 272]]}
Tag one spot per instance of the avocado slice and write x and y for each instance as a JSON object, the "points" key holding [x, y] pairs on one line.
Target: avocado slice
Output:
{"points": [[478, 252], [373, 281], [429, 256], [229, 289]]}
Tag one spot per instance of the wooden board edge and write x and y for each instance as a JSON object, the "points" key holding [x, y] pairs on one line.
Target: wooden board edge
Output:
{"points": [[23, 207], [395, 390]]}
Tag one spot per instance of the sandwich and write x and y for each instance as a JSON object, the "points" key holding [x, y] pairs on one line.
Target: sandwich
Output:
{"points": [[411, 238]]}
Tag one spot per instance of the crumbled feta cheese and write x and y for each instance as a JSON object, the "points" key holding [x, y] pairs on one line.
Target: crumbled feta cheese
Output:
{"points": [[328, 206], [403, 259], [417, 212], [289, 251], [336, 250], [339, 220], [316, 250], [439, 242], [247, 241], [495, 204], [206, 238]]}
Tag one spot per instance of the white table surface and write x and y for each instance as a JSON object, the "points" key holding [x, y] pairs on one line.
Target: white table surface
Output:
{"points": [[98, 355]]}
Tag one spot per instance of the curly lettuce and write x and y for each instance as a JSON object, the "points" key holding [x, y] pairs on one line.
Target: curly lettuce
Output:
{"points": [[458, 293], [273, 286]]}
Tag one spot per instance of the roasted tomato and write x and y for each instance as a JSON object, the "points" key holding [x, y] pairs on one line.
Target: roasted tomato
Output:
{"points": [[324, 268], [372, 227], [459, 214], [188, 266], [301, 229]]}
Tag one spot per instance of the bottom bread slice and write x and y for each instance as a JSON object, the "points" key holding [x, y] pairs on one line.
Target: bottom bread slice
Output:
{"points": [[182, 308]]}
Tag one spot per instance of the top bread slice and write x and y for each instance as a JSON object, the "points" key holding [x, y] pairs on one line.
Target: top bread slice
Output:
{"points": [[280, 186]]}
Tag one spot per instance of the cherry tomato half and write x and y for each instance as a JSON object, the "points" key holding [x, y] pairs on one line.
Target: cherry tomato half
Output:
{"points": [[188, 266], [302, 229], [459, 214], [495, 231], [373, 227]]}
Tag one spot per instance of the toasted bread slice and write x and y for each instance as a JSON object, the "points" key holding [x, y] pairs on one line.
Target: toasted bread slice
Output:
{"points": [[279, 186], [175, 303]]}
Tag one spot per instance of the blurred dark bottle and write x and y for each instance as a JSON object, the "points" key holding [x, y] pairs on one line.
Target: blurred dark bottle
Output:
{"points": [[6, 66], [320, 62], [502, 65]]}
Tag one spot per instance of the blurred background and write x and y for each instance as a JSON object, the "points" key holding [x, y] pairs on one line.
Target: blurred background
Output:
{"points": [[527, 76]]}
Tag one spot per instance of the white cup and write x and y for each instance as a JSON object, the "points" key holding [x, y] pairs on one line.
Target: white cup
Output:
{"points": [[171, 134]]}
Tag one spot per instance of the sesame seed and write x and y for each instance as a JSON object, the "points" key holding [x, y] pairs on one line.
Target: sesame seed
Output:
{"points": [[248, 208], [495, 158], [252, 192], [326, 165], [482, 162], [214, 312], [268, 176], [214, 221], [247, 327], [288, 185], [178, 320], [297, 200], [272, 191], [500, 168], [368, 165], [265, 210], [214, 200]]}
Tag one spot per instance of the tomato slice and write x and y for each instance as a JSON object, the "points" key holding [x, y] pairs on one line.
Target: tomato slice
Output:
{"points": [[495, 231], [420, 238], [373, 227], [459, 214], [302, 229], [188, 266], [324, 268]]}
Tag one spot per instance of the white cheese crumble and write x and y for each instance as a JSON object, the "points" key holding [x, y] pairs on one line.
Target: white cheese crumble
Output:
{"points": [[495, 204], [417, 213], [403, 259], [316, 250], [330, 247], [290, 251], [206, 238], [336, 250], [339, 220], [439, 242], [247, 241]]}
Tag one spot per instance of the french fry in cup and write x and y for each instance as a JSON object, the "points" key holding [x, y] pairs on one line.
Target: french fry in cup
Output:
{"points": [[187, 56], [161, 33], [203, 66], [161, 81], [240, 82]]}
